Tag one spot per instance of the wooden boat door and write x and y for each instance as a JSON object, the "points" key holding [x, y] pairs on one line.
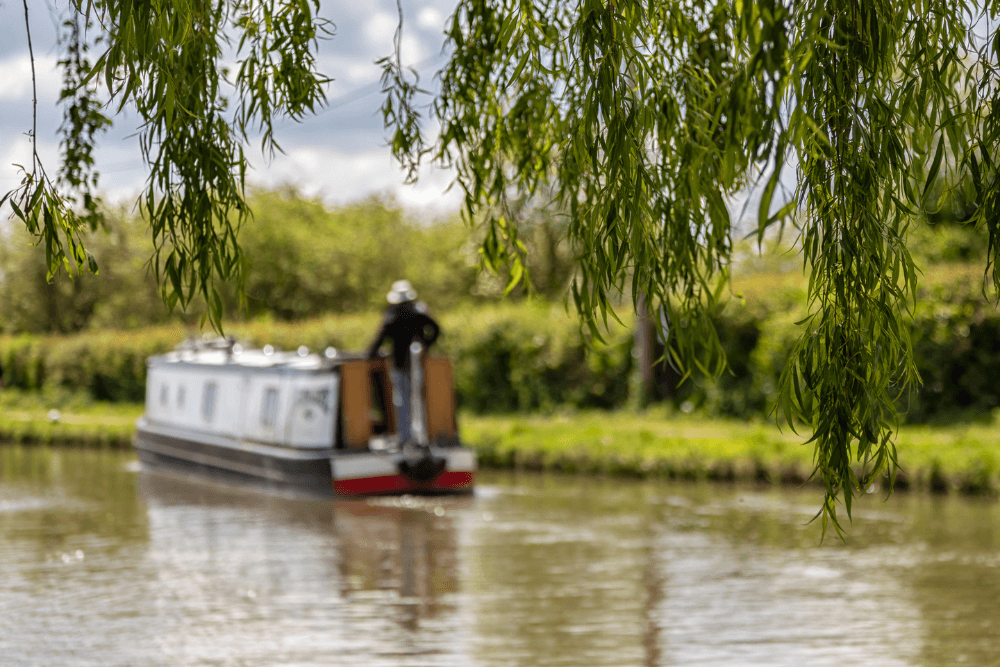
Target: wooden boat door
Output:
{"points": [[439, 399], [365, 402]]}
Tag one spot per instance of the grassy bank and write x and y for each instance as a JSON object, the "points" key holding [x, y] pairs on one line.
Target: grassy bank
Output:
{"points": [[961, 458], [30, 419]]}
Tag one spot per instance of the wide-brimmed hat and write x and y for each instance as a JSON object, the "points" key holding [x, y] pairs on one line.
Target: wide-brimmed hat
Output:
{"points": [[401, 291]]}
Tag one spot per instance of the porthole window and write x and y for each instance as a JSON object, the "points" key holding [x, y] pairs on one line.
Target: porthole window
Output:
{"points": [[208, 401], [270, 408]]}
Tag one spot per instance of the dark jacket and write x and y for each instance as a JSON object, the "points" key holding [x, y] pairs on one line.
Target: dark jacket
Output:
{"points": [[404, 323]]}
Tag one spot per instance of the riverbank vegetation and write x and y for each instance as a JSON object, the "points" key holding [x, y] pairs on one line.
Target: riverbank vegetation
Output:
{"points": [[30, 418], [646, 444], [531, 356], [653, 444], [528, 380]]}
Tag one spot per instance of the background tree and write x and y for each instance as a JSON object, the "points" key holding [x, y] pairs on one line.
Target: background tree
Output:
{"points": [[304, 260], [124, 295]]}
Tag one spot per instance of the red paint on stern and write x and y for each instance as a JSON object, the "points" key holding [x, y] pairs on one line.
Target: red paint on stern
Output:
{"points": [[386, 484]]}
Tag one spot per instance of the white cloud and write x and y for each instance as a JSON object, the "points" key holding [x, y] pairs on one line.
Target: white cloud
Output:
{"points": [[379, 30], [14, 151], [413, 51], [358, 72], [430, 18], [18, 151], [15, 84], [339, 178]]}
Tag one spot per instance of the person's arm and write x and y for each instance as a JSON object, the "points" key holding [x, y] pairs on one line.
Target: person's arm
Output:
{"points": [[433, 329], [377, 343]]}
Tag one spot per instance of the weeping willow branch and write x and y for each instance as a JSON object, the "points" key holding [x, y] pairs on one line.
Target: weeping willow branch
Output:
{"points": [[165, 60], [35, 162], [645, 119]]}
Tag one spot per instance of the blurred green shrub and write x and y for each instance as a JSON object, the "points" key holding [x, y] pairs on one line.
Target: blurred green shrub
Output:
{"points": [[955, 334], [122, 295]]}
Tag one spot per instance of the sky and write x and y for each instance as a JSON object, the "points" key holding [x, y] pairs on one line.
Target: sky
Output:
{"points": [[340, 154]]}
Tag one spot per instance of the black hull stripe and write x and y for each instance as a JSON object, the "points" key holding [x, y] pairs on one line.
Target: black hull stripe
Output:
{"points": [[189, 471], [294, 472], [228, 442]]}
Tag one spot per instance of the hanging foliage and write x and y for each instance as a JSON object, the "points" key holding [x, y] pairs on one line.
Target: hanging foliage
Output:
{"points": [[647, 119], [166, 61]]}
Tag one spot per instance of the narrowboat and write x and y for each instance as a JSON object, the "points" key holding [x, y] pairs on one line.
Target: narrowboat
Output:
{"points": [[323, 423]]}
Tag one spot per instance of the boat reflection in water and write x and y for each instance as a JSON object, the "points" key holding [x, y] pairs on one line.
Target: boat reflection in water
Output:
{"points": [[297, 579]]}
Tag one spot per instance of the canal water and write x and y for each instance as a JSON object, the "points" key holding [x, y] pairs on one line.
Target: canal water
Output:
{"points": [[101, 564]]}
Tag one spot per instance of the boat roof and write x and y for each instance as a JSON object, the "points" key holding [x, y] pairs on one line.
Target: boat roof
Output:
{"points": [[226, 353]]}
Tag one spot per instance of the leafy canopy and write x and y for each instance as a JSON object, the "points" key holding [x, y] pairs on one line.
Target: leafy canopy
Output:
{"points": [[642, 119]]}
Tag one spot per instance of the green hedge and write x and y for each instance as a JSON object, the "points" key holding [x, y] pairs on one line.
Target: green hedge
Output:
{"points": [[108, 365], [957, 356], [523, 357], [533, 357], [955, 333]]}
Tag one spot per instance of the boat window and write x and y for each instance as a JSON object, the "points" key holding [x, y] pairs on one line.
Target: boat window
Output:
{"points": [[180, 396], [208, 401], [164, 394], [270, 410]]}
